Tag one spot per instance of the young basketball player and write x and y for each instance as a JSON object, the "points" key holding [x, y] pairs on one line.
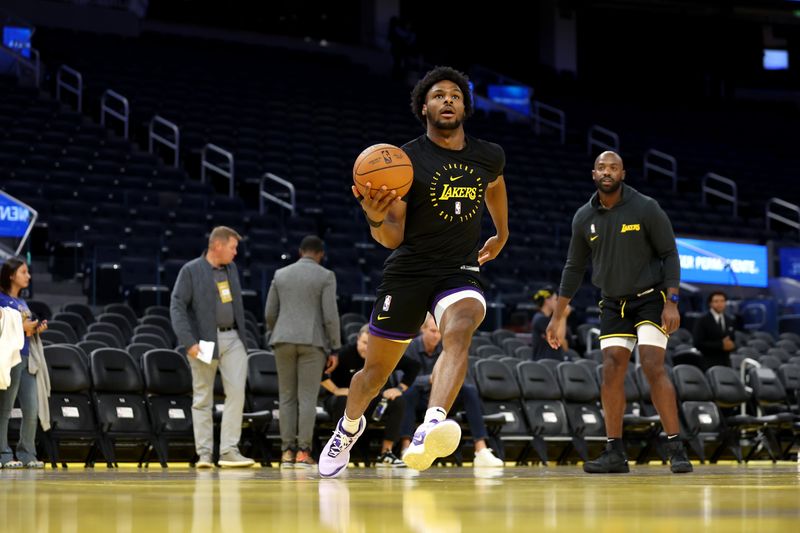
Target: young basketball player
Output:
{"points": [[435, 267]]}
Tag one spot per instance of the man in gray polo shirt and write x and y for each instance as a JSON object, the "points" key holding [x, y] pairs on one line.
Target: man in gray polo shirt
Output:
{"points": [[207, 306]]}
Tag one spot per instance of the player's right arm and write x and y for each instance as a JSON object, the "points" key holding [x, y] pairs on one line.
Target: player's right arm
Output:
{"points": [[571, 278], [386, 215], [557, 328]]}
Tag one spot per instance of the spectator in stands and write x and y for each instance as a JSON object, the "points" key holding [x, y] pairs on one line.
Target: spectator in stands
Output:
{"points": [[636, 266], [546, 299], [303, 322], [207, 306], [14, 276], [388, 407], [426, 349], [714, 332]]}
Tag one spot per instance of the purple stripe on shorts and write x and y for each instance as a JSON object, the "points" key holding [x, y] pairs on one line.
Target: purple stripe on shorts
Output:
{"points": [[392, 335], [452, 291]]}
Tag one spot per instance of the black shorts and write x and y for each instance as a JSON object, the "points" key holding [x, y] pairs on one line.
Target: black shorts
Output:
{"points": [[402, 303], [619, 317]]}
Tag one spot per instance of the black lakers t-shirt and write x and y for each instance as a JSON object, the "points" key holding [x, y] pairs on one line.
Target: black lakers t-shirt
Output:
{"points": [[445, 205]]}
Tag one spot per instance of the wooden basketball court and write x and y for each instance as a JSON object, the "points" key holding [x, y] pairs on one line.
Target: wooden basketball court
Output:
{"points": [[756, 497]]}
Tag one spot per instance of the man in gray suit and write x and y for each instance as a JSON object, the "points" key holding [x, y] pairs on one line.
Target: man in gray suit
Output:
{"points": [[303, 320], [207, 305]]}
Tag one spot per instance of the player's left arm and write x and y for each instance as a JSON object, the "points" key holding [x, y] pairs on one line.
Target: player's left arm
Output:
{"points": [[497, 203]]}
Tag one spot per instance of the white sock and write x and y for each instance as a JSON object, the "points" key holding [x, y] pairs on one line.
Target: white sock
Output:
{"points": [[435, 413], [350, 426]]}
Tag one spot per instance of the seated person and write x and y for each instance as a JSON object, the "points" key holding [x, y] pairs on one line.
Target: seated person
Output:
{"points": [[351, 360], [714, 332], [425, 349], [546, 299]]}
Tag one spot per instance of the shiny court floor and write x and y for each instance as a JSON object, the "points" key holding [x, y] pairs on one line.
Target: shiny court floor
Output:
{"points": [[728, 498]]}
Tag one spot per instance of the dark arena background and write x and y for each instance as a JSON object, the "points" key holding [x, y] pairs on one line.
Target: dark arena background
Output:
{"points": [[130, 128]]}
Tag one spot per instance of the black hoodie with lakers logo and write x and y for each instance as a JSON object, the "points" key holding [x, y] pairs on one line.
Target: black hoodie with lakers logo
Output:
{"points": [[632, 247]]}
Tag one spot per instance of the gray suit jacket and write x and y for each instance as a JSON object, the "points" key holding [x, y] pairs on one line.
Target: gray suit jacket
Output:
{"points": [[301, 306], [193, 307]]}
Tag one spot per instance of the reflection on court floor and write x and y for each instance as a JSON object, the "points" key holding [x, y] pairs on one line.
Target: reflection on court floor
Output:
{"points": [[442, 500]]}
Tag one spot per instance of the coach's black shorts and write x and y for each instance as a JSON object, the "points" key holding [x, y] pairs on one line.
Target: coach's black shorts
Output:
{"points": [[619, 317], [402, 303]]}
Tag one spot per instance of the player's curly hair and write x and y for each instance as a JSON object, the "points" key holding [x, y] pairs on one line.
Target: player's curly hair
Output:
{"points": [[429, 80]]}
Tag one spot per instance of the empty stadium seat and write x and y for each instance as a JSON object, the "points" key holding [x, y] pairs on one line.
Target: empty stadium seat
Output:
{"points": [[117, 395], [168, 392]]}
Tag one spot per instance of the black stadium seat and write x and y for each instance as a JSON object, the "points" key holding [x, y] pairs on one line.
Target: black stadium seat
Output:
{"points": [[700, 416], [124, 310], [54, 336], [75, 321], [500, 396], [545, 412], [107, 333], [148, 338], [118, 399], [72, 417], [81, 309], [138, 349], [121, 321], [581, 395], [485, 352], [168, 391], [730, 394], [65, 328], [152, 330]]}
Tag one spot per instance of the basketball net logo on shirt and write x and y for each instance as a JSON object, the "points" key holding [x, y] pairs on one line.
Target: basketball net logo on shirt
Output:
{"points": [[457, 192]]}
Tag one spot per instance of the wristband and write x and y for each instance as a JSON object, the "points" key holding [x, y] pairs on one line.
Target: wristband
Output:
{"points": [[373, 223]]}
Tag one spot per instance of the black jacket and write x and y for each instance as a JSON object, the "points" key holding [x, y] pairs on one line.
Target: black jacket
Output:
{"points": [[708, 339], [631, 246]]}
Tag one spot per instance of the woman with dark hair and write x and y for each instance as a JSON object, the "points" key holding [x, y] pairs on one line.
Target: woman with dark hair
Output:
{"points": [[14, 277]]}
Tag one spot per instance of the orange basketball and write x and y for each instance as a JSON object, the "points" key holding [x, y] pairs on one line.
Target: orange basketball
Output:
{"points": [[383, 164]]}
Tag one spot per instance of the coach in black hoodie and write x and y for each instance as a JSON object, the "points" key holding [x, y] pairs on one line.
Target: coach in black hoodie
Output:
{"points": [[636, 266]]}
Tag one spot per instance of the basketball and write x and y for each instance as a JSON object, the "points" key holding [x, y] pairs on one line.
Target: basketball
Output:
{"points": [[383, 164]]}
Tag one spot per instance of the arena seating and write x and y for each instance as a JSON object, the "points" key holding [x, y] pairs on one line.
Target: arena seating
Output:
{"points": [[125, 221]]}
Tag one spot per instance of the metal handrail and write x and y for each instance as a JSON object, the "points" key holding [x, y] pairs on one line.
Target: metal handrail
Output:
{"points": [[592, 140], [76, 89], [732, 197], [154, 137], [671, 172], [263, 195], [105, 109], [770, 215], [591, 332], [559, 124], [747, 361], [33, 64], [206, 165]]}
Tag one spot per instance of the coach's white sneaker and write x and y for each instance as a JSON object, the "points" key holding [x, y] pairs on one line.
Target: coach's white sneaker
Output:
{"points": [[234, 459], [204, 461], [432, 440], [486, 459]]}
